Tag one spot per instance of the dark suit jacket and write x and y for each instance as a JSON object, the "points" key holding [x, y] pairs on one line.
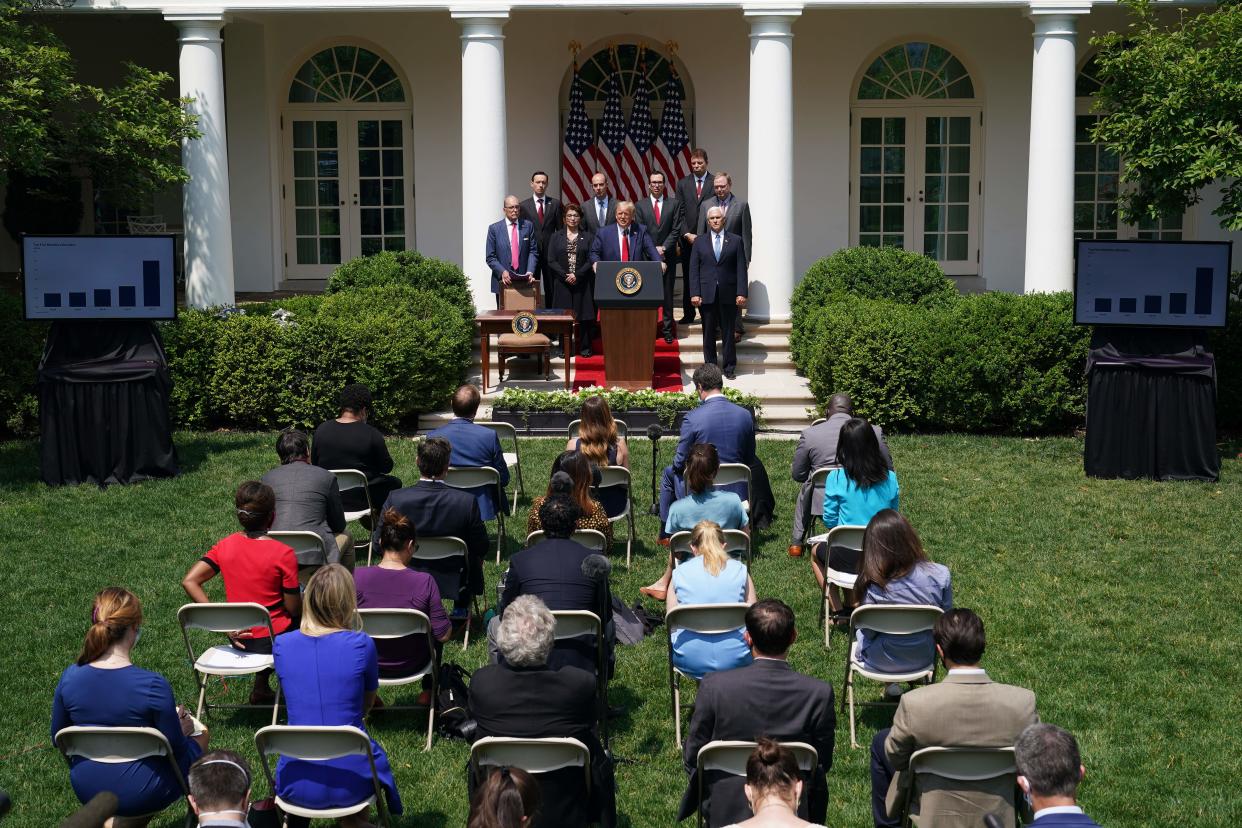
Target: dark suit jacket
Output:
{"points": [[535, 703], [606, 247], [308, 500], [558, 255], [737, 220], [817, 448], [728, 427], [765, 698], [691, 203], [551, 220], [498, 254], [667, 231], [590, 220], [437, 509], [1065, 821], [726, 277], [476, 445]]}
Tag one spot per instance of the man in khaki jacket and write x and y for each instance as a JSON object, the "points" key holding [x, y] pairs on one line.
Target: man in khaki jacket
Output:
{"points": [[966, 709]]}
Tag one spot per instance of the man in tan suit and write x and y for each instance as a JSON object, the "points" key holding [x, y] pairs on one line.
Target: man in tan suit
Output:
{"points": [[966, 709]]}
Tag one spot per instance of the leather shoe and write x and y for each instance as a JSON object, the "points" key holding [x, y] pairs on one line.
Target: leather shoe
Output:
{"points": [[654, 594], [795, 551], [586, 352], [737, 336], [688, 319], [664, 541], [668, 339], [730, 374]]}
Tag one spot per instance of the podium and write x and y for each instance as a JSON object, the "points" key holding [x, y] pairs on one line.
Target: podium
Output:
{"points": [[628, 295]]}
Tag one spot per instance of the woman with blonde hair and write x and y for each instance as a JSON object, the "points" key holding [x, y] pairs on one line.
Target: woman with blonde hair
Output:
{"points": [[710, 577], [329, 672], [104, 688], [773, 788], [599, 441], [572, 477]]}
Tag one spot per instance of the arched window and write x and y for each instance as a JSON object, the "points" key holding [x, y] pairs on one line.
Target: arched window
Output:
{"points": [[346, 74], [916, 70]]}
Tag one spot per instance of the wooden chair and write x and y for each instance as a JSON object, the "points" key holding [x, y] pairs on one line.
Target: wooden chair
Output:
{"points": [[523, 297]]}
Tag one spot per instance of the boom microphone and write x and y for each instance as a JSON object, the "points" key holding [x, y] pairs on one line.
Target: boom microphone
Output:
{"points": [[654, 433], [596, 567], [95, 813]]}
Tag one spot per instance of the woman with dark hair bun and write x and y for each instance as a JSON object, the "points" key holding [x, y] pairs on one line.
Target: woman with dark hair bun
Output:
{"points": [[508, 799], [773, 788]]}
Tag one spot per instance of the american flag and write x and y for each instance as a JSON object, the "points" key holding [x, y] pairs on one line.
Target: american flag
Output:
{"points": [[611, 143], [638, 141], [576, 164], [671, 152]]}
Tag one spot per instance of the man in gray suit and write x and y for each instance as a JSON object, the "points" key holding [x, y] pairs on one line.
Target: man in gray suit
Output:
{"points": [[600, 210], [817, 449], [308, 500], [966, 709], [660, 214], [737, 221], [691, 192]]}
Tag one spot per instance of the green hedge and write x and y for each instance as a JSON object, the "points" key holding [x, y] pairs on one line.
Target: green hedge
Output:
{"points": [[405, 267], [21, 343], [1226, 346]]}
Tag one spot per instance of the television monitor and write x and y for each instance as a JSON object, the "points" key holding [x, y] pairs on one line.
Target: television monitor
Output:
{"points": [[99, 277], [1151, 284]]}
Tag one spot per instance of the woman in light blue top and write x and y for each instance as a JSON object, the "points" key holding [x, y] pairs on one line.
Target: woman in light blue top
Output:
{"points": [[710, 577], [896, 570]]}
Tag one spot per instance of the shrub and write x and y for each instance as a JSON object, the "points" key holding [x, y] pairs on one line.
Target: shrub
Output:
{"points": [[21, 342], [190, 344], [1226, 346], [405, 267]]}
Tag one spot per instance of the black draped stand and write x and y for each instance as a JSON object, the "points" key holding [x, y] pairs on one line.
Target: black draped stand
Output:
{"points": [[1151, 405], [103, 404]]}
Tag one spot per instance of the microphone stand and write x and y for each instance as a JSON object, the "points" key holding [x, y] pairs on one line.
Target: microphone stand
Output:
{"points": [[654, 433]]}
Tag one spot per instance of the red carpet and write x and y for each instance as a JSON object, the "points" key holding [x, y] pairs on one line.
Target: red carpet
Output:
{"points": [[589, 371]]}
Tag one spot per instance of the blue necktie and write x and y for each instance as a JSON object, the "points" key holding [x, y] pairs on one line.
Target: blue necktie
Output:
{"points": [[716, 244], [602, 209]]}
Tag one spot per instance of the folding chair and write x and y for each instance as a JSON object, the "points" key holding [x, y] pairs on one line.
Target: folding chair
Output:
{"points": [[709, 619], [523, 296], [573, 623], [592, 539], [307, 546], [512, 459], [382, 624], [851, 537], [731, 473], [571, 431], [146, 225], [737, 544], [316, 744], [818, 420], [440, 548], [347, 479], [613, 476], [224, 660], [815, 510], [121, 745], [532, 755], [731, 757], [890, 619], [959, 764], [471, 477]]}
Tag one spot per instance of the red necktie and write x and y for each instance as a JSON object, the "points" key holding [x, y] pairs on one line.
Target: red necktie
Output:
{"points": [[655, 202], [513, 248], [698, 188], [540, 203], [625, 246]]}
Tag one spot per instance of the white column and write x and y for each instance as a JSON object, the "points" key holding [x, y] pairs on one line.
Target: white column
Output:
{"points": [[484, 149], [208, 229], [1050, 174], [770, 168]]}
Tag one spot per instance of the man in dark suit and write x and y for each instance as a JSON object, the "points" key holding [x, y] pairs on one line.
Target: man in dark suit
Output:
{"points": [[437, 509], [718, 286], [601, 209], [512, 248], [691, 192], [624, 242], [765, 698], [476, 445], [308, 499], [1049, 770], [526, 698], [660, 215], [544, 212], [737, 220]]}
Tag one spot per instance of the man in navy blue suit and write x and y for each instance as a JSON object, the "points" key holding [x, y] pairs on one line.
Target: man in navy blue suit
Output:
{"points": [[475, 445], [1049, 770], [718, 286], [512, 248], [626, 241]]}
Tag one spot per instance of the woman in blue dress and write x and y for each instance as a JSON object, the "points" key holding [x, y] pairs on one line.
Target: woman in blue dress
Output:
{"points": [[710, 577], [105, 689], [329, 672]]}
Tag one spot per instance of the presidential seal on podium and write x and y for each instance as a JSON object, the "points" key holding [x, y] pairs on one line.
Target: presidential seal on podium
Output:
{"points": [[629, 281]]}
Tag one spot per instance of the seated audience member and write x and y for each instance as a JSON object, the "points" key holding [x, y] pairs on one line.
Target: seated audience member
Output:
{"points": [[524, 697], [508, 799], [794, 708], [393, 585], [896, 570], [350, 442], [966, 709], [476, 445], [576, 476], [220, 789], [329, 673], [773, 788], [105, 689], [703, 501], [309, 500], [598, 440], [817, 449], [255, 569], [710, 577], [1049, 770], [437, 510], [565, 575]]}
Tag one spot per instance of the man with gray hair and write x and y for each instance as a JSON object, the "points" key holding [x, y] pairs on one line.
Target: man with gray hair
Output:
{"points": [[308, 499], [220, 789], [525, 698], [627, 241], [1049, 770]]}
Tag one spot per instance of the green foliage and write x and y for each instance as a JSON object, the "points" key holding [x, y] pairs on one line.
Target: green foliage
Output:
{"points": [[1226, 346], [21, 343], [666, 405], [1171, 105], [405, 267], [36, 80]]}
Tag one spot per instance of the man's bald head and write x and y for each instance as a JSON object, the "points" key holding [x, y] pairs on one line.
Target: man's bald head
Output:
{"points": [[840, 404]]}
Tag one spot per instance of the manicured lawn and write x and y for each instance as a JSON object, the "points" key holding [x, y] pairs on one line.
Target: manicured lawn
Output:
{"points": [[1117, 602]]}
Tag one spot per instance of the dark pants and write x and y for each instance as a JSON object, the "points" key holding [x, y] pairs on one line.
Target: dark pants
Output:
{"points": [[380, 487], [881, 775], [719, 318], [687, 309], [670, 283]]}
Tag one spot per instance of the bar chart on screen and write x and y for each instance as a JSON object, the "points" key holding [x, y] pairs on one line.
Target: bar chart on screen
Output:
{"points": [[1152, 284], [98, 277]]}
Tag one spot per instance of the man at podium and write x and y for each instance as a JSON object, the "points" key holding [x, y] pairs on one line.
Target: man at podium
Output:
{"points": [[624, 241]]}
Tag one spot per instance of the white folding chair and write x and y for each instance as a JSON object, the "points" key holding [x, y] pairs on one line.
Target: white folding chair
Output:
{"points": [[850, 537], [146, 225], [892, 620], [592, 539], [224, 660], [969, 765], [737, 544], [317, 744], [614, 476], [512, 459], [731, 473], [623, 430], [709, 619], [122, 745], [574, 623], [731, 757], [382, 624], [815, 502], [307, 546], [444, 547], [818, 420], [472, 477], [532, 756], [346, 480]]}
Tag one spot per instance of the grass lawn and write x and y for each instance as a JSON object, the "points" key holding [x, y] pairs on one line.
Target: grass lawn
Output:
{"points": [[1117, 602]]}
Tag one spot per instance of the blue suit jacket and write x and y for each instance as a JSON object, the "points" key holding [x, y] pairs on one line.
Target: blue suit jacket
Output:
{"points": [[728, 427], [499, 252], [607, 247], [475, 445], [727, 276], [1066, 821]]}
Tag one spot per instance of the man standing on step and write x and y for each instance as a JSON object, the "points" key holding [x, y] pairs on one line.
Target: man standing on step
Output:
{"points": [[691, 192], [543, 211], [718, 285], [660, 215], [737, 220]]}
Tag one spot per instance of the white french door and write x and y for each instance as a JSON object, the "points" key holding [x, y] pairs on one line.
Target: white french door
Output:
{"points": [[347, 187], [916, 182]]}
